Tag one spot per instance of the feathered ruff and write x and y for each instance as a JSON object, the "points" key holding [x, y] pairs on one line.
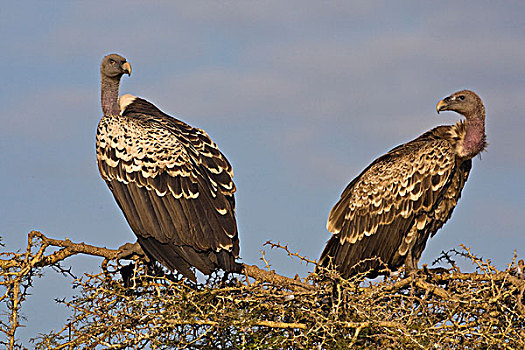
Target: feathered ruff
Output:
{"points": [[398, 202], [173, 185]]}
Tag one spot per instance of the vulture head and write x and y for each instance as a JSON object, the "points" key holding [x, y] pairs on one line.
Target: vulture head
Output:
{"points": [[114, 66], [464, 102], [111, 70]]}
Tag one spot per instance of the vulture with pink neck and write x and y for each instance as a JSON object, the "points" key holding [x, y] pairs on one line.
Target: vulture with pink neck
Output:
{"points": [[386, 214], [169, 179]]}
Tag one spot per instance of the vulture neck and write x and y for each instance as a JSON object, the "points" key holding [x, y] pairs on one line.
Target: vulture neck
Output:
{"points": [[109, 95], [474, 140]]}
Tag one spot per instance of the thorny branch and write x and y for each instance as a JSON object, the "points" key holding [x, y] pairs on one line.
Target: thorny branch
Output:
{"points": [[441, 310], [289, 252]]}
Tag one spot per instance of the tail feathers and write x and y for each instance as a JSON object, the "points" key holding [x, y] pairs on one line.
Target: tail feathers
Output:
{"points": [[349, 260], [226, 261], [329, 252], [167, 257], [182, 258]]}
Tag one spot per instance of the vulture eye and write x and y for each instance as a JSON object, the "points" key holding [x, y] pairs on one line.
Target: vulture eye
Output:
{"points": [[461, 97]]}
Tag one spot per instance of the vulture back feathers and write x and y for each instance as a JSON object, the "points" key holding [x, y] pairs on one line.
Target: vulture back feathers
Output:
{"points": [[170, 180], [386, 214]]}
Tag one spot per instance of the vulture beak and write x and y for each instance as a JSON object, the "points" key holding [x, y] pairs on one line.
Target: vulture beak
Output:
{"points": [[441, 106], [127, 68]]}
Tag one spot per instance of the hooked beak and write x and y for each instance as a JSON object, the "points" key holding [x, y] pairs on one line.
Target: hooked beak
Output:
{"points": [[441, 106], [127, 68]]}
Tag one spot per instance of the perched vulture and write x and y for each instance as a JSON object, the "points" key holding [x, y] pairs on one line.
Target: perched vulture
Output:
{"points": [[169, 179], [390, 210]]}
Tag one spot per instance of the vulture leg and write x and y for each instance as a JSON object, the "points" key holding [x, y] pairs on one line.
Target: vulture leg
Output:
{"points": [[410, 263]]}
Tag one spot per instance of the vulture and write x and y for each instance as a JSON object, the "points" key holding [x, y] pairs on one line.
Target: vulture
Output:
{"points": [[387, 213], [170, 180]]}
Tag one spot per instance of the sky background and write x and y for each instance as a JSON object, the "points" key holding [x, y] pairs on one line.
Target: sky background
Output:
{"points": [[299, 95]]}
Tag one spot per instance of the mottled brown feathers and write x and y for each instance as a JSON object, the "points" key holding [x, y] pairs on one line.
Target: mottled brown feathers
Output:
{"points": [[387, 213], [173, 185]]}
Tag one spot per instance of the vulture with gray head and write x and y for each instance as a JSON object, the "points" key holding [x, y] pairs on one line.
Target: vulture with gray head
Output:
{"points": [[386, 214], [169, 179]]}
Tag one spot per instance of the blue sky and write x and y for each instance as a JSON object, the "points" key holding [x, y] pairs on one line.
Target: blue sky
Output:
{"points": [[299, 95]]}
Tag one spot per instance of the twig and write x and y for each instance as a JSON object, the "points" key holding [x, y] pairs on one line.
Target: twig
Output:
{"points": [[285, 248]]}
